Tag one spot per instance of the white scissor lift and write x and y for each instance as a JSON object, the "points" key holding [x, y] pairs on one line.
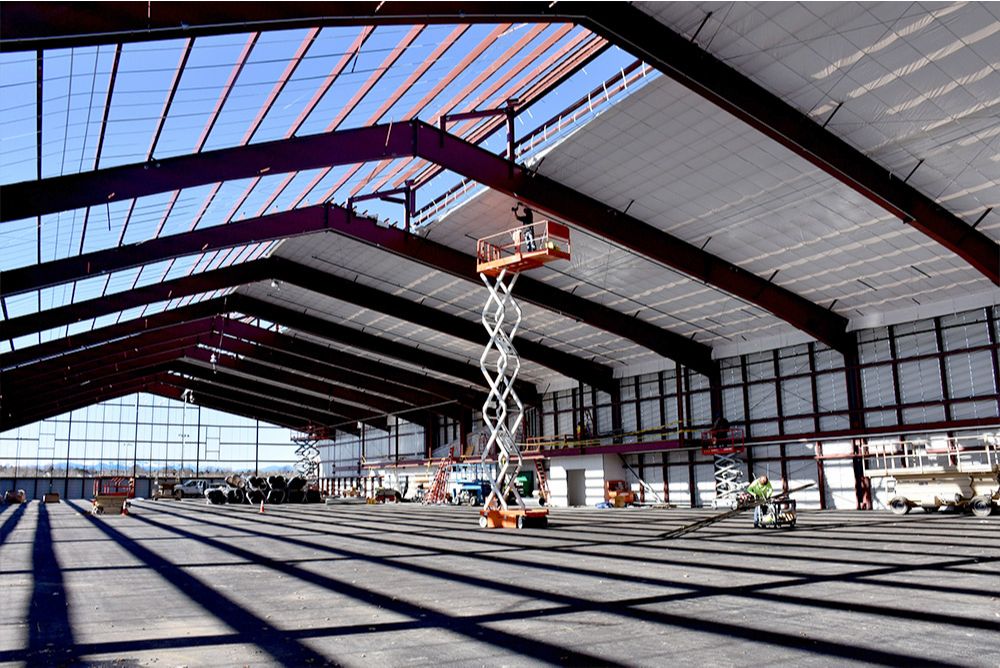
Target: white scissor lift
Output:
{"points": [[499, 259], [962, 472]]}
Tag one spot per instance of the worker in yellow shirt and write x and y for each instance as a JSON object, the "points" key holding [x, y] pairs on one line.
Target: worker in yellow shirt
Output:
{"points": [[761, 489]]}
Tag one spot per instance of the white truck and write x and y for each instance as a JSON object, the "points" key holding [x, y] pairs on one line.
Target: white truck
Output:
{"points": [[190, 488], [957, 472]]}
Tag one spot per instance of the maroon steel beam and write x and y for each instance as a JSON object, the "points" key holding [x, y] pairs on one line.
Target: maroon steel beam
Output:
{"points": [[250, 367], [93, 364], [61, 193], [265, 228], [272, 392], [418, 138], [72, 402], [172, 387], [66, 345], [551, 197], [56, 395], [382, 346], [66, 24], [28, 25], [336, 287], [443, 258], [162, 388], [690, 65], [310, 279], [342, 221], [208, 281], [328, 362], [283, 405], [377, 389]]}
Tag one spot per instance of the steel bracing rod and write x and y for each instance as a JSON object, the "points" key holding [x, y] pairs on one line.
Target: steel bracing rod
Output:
{"points": [[500, 364], [428, 142], [27, 26]]}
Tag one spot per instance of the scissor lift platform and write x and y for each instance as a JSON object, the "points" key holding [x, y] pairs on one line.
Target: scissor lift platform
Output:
{"points": [[960, 472]]}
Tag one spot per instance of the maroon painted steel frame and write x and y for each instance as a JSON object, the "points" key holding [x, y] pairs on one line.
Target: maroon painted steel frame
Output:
{"points": [[29, 26], [418, 138], [308, 278]]}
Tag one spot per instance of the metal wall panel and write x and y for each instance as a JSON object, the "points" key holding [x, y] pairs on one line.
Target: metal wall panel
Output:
{"points": [[920, 380], [796, 396], [732, 404], [970, 374], [876, 385]]}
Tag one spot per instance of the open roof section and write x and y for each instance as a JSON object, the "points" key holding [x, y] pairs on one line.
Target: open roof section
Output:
{"points": [[623, 24], [198, 92]]}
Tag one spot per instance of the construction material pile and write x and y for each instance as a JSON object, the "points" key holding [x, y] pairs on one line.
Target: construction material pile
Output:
{"points": [[256, 490]]}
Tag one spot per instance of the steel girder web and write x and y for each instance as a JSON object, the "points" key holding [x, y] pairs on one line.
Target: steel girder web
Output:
{"points": [[416, 138], [30, 26]]}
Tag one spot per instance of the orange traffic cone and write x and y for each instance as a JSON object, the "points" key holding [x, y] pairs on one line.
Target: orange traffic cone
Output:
{"points": [[262, 506]]}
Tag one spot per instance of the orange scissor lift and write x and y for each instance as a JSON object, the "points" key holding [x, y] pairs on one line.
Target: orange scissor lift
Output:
{"points": [[499, 259]]}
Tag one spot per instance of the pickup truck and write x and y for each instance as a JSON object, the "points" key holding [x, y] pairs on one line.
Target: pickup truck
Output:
{"points": [[191, 488]]}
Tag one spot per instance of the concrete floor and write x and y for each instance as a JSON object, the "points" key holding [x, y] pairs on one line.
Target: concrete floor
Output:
{"points": [[189, 584]]}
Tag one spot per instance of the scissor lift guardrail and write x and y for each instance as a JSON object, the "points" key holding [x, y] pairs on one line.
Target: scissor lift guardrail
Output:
{"points": [[954, 471]]}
